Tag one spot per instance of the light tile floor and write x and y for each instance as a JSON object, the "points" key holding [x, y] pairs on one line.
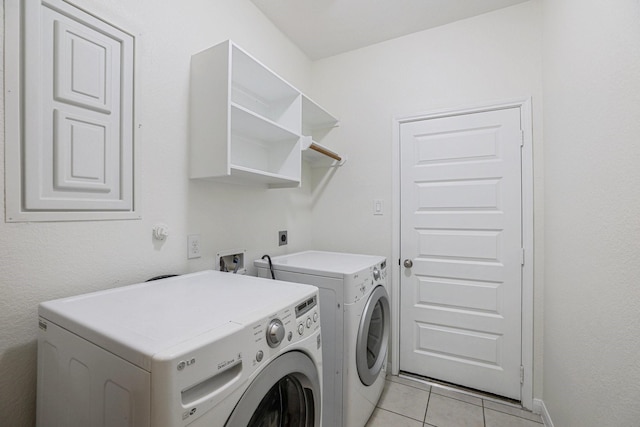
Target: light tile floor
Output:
{"points": [[408, 403]]}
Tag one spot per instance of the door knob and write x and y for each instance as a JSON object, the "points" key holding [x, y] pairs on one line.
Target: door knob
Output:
{"points": [[408, 263]]}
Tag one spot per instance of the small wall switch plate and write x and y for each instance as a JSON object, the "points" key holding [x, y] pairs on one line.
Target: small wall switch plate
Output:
{"points": [[377, 207], [283, 239], [193, 246]]}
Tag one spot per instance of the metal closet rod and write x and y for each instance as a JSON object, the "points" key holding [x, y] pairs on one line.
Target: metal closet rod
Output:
{"points": [[324, 151]]}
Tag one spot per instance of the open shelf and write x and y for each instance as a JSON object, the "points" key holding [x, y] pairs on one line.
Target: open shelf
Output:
{"points": [[316, 123], [248, 125], [255, 176], [315, 118]]}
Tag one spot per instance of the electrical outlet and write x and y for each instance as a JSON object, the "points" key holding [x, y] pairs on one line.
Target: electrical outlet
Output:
{"points": [[193, 246], [282, 238]]}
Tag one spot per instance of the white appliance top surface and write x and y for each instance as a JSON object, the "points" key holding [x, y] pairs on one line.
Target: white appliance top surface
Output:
{"points": [[329, 264], [143, 319]]}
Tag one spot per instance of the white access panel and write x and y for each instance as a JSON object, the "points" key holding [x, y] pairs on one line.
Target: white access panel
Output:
{"points": [[78, 111]]}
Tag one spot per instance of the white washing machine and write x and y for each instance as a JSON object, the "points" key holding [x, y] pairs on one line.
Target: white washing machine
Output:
{"points": [[204, 349], [354, 307]]}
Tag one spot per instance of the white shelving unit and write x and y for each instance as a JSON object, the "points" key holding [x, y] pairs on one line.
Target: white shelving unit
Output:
{"points": [[248, 125], [316, 123]]}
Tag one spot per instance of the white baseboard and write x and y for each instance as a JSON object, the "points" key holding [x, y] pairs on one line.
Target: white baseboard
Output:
{"points": [[540, 408]]}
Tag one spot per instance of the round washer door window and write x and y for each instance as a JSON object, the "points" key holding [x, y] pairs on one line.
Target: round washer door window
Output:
{"points": [[285, 393], [373, 336]]}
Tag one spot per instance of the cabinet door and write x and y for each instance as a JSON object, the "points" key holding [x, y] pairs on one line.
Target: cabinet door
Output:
{"points": [[78, 121]]}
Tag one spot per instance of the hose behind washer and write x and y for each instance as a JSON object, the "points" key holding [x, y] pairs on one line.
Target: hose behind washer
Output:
{"points": [[273, 276]]}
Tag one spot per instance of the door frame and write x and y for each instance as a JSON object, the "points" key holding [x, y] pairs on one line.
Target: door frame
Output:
{"points": [[524, 104]]}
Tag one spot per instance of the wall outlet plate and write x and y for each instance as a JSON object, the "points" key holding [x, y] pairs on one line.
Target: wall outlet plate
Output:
{"points": [[193, 246], [283, 239]]}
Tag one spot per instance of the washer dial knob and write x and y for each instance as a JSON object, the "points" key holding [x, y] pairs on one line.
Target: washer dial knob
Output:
{"points": [[376, 273], [275, 333]]}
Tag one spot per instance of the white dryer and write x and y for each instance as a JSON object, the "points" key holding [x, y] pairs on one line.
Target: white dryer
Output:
{"points": [[354, 307], [204, 349]]}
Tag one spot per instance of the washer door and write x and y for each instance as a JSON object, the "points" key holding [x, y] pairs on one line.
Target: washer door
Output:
{"points": [[285, 393], [373, 336]]}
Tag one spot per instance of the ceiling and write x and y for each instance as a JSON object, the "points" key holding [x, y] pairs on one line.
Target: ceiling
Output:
{"points": [[323, 28]]}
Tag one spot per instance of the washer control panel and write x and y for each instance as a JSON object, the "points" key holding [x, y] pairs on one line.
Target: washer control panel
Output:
{"points": [[307, 315], [285, 327]]}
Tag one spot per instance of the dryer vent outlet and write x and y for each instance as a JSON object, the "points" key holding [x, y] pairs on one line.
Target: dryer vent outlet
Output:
{"points": [[282, 238]]}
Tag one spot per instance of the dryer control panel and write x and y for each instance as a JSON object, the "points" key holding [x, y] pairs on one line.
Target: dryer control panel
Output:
{"points": [[359, 284]]}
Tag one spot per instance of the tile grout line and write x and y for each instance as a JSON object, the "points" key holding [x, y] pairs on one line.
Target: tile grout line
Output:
{"points": [[398, 413], [513, 415], [484, 417], [424, 419], [460, 400], [412, 386]]}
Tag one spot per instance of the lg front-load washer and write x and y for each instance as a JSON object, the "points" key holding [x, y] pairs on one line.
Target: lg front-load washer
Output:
{"points": [[204, 349], [354, 307]]}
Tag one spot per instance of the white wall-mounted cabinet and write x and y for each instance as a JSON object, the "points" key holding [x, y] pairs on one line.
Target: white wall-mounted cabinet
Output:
{"points": [[247, 123]]}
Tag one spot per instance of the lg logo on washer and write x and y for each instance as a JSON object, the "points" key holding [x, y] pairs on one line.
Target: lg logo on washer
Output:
{"points": [[182, 364]]}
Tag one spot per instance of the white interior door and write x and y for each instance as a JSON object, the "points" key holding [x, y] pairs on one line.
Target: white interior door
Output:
{"points": [[461, 246]]}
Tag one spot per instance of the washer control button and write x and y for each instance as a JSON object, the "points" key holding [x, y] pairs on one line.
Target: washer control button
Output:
{"points": [[300, 328], [289, 336], [259, 356], [376, 273], [308, 322], [275, 333], [315, 317]]}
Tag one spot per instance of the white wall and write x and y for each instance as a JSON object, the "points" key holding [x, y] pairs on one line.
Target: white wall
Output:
{"points": [[592, 212], [492, 57], [42, 261]]}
